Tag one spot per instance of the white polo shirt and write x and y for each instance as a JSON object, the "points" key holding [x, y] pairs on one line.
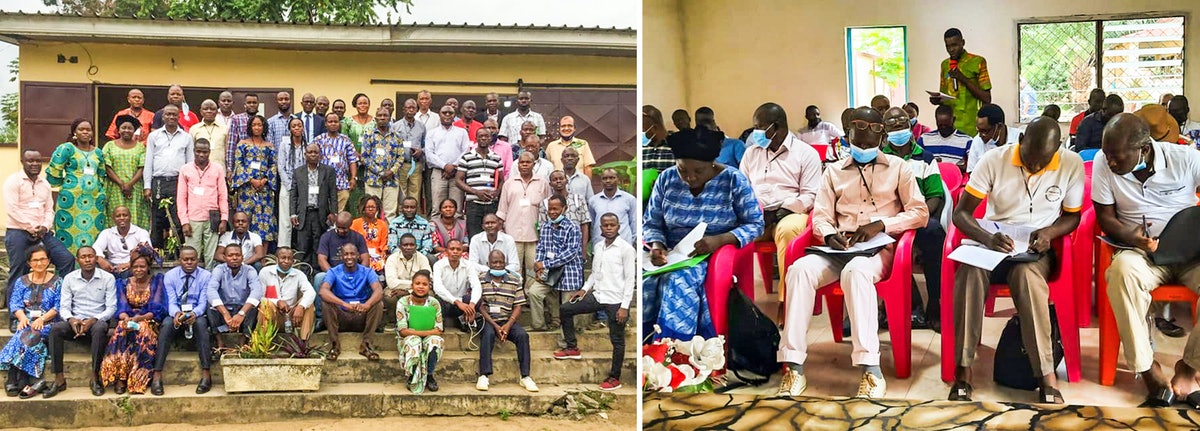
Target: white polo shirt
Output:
{"points": [[978, 148], [1035, 199], [248, 243], [1172, 187]]}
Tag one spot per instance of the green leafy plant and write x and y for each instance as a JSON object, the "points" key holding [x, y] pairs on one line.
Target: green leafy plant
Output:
{"points": [[505, 414], [172, 245], [261, 344], [292, 346], [627, 171], [125, 406]]}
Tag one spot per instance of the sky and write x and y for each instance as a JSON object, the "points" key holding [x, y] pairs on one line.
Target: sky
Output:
{"points": [[605, 13]]}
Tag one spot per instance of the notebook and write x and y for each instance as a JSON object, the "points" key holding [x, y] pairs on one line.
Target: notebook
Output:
{"points": [[421, 317]]}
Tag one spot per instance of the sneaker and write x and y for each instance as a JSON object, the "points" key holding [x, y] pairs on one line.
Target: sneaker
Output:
{"points": [[610, 384], [871, 386], [482, 383], [793, 384], [568, 353], [528, 384]]}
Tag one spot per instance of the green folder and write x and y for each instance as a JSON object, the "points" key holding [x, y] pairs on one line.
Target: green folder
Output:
{"points": [[676, 266], [421, 317]]}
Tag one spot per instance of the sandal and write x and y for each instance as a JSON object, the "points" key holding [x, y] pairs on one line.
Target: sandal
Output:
{"points": [[1050, 396], [1193, 400], [1162, 398], [333, 353], [960, 391], [370, 354]]}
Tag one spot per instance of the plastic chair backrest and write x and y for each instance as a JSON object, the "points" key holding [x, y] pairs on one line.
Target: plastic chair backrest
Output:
{"points": [[1088, 154], [951, 175], [648, 178], [1087, 169], [822, 150]]}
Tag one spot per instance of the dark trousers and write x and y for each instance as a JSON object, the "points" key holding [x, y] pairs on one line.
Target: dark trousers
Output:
{"points": [[338, 320], [162, 220], [451, 313], [168, 333], [475, 213], [216, 321], [928, 242], [308, 236], [616, 330], [97, 336], [17, 241], [488, 340]]}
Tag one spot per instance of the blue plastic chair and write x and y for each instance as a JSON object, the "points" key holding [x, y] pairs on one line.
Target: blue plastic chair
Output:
{"points": [[1088, 154]]}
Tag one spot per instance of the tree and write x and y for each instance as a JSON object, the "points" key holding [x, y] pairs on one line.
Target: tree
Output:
{"points": [[9, 107], [301, 11]]}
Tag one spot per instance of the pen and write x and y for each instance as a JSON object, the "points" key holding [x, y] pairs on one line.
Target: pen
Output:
{"points": [[1145, 228]]}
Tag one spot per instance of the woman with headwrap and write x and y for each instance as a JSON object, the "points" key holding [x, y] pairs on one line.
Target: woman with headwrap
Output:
{"points": [[124, 159], [694, 190]]}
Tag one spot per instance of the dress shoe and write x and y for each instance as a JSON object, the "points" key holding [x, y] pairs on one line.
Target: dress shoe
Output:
{"points": [[119, 387], [431, 384], [1168, 327], [156, 387], [97, 388], [204, 386], [53, 389]]}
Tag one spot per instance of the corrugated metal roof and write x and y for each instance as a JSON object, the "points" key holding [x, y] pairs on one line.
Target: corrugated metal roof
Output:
{"points": [[449, 25]]}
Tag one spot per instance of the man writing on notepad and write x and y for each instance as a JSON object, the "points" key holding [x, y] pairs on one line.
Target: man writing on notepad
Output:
{"points": [[964, 78], [1137, 186], [1035, 184], [858, 198]]}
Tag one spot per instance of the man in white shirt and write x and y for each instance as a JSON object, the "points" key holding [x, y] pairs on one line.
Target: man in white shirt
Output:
{"points": [[115, 245], [251, 243], [1137, 186], [288, 291], [609, 288], [225, 109], [444, 146], [992, 133], [398, 271], [510, 127], [1037, 184], [1178, 108], [785, 172], [456, 284], [542, 168], [817, 131], [429, 118], [493, 239], [167, 150]]}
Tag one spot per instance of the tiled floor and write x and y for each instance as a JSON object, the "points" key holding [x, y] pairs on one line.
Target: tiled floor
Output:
{"points": [[831, 374]]}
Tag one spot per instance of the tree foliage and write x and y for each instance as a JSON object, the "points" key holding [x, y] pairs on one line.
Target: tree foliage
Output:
{"points": [[887, 45], [9, 107], [302, 11]]}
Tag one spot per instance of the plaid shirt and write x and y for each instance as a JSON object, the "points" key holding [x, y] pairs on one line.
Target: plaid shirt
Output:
{"points": [[237, 132], [338, 153], [657, 157], [382, 151], [418, 227], [577, 210], [559, 244]]}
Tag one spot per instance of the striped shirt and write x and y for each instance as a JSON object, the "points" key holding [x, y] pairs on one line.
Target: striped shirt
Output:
{"points": [[237, 132], [950, 149], [482, 172], [501, 295], [560, 245], [338, 153]]}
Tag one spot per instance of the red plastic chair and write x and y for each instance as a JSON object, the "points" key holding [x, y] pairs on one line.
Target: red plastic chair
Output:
{"points": [[895, 289], [953, 178], [722, 267], [821, 150], [1061, 294]]}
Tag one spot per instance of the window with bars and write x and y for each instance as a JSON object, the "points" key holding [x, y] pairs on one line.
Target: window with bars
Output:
{"points": [[1139, 59]]}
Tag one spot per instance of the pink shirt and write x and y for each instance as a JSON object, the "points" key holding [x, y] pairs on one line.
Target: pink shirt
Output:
{"points": [[519, 206], [504, 150], [890, 193], [788, 178], [28, 202], [201, 191]]}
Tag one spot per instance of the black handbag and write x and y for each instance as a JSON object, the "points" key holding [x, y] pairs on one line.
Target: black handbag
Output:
{"points": [[554, 275], [1011, 366], [753, 341]]}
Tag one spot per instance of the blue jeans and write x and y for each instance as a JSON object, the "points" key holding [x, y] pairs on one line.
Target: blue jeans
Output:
{"points": [[17, 241]]}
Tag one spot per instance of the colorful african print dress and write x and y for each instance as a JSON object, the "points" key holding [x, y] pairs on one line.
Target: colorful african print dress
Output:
{"points": [[81, 208], [376, 235], [418, 355], [675, 301], [126, 163], [441, 236], [26, 350], [130, 354], [357, 133], [256, 162]]}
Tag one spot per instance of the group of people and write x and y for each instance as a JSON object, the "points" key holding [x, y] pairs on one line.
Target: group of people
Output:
{"points": [[880, 176], [261, 212]]}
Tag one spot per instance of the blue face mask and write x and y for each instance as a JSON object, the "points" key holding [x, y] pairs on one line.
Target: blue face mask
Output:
{"points": [[912, 122], [759, 137], [863, 156], [559, 219], [282, 272], [497, 272], [1141, 163], [900, 138], [645, 139]]}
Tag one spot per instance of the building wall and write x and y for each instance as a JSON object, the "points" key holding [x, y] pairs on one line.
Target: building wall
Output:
{"points": [[663, 65], [739, 54]]}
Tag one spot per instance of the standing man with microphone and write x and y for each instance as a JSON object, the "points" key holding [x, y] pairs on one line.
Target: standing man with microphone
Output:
{"points": [[962, 71]]}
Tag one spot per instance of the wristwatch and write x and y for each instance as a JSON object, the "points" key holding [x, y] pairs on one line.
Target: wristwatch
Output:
{"points": [[242, 313]]}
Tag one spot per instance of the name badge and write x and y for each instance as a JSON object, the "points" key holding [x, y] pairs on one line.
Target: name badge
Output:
{"points": [[380, 151], [524, 202], [198, 191], [187, 308], [494, 309], [33, 314], [333, 160], [35, 204], [353, 302], [256, 165], [550, 255], [89, 171], [408, 144], [312, 190]]}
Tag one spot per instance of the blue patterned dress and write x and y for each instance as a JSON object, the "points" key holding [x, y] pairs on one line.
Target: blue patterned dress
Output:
{"points": [[80, 210], [31, 359], [675, 300], [130, 353], [255, 162]]}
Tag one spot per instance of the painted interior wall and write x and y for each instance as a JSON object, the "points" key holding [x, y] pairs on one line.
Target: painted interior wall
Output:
{"points": [[737, 55]]}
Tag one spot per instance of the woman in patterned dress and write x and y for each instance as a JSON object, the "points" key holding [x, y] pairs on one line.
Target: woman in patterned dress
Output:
{"points": [[255, 179], [419, 350], [695, 190], [34, 303], [124, 159], [141, 308], [357, 127], [448, 227], [76, 167], [374, 230]]}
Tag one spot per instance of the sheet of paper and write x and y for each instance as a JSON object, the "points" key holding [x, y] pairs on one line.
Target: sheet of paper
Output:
{"points": [[681, 251], [977, 256], [939, 94], [1019, 233], [879, 240]]}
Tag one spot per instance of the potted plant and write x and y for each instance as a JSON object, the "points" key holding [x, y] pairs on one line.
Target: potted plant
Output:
{"points": [[272, 362]]}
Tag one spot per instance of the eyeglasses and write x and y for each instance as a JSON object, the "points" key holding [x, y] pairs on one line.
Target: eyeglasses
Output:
{"points": [[864, 125], [896, 121]]}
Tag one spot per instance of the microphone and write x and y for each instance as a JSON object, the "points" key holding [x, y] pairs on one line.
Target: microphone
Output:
{"points": [[954, 66]]}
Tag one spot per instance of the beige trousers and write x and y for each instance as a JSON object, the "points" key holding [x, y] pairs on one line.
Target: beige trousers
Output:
{"points": [[1030, 295], [204, 240], [1130, 278], [785, 231], [390, 197]]}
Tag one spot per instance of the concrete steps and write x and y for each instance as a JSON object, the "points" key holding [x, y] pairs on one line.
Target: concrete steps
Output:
{"points": [[76, 407]]}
